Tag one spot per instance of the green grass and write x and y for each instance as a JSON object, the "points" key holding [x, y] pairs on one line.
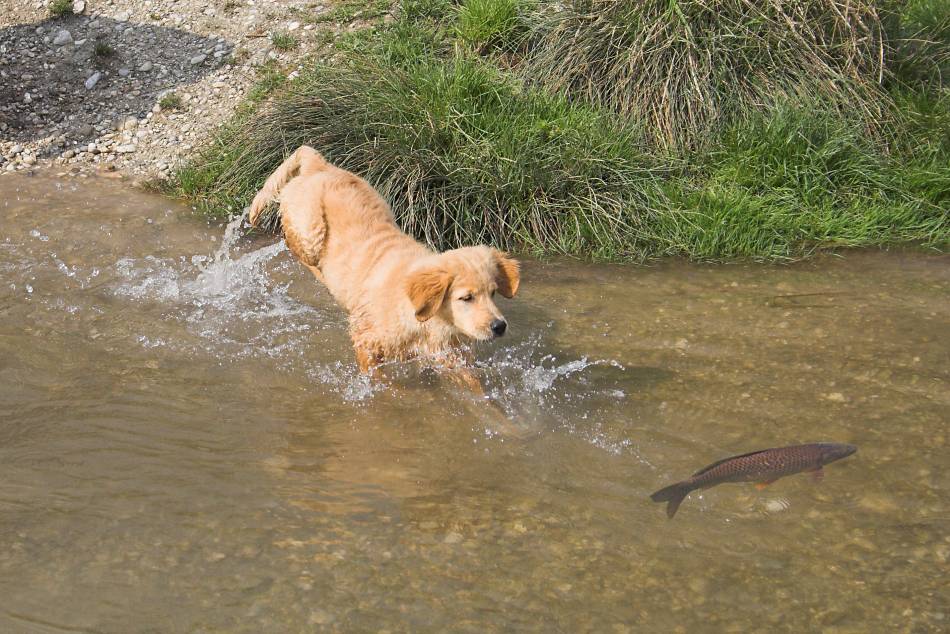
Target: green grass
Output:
{"points": [[103, 49], [171, 101], [284, 41], [511, 167], [484, 24], [202, 179], [270, 77], [61, 8], [346, 11], [472, 146], [920, 42], [787, 183]]}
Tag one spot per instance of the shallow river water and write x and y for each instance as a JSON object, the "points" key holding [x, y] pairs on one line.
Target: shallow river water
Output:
{"points": [[186, 445]]}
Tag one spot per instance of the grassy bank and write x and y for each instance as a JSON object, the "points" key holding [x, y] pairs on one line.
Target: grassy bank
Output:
{"points": [[483, 121]]}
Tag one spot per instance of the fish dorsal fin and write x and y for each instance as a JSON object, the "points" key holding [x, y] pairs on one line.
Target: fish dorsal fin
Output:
{"points": [[719, 462]]}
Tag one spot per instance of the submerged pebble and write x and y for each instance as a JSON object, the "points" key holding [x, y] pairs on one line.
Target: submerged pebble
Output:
{"points": [[878, 502], [453, 538]]}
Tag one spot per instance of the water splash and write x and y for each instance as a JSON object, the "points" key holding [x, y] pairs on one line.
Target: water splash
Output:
{"points": [[224, 280], [345, 380], [229, 299], [536, 387], [525, 369]]}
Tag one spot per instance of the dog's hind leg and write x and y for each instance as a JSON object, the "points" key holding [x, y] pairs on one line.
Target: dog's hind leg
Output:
{"points": [[305, 230], [303, 162]]}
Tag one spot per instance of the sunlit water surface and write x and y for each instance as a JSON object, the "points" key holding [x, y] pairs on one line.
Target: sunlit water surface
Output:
{"points": [[186, 445]]}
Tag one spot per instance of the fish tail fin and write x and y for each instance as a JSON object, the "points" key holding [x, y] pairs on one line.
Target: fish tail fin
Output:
{"points": [[673, 495]]}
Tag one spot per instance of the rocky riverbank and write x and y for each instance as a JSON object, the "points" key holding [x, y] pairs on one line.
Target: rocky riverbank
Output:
{"points": [[133, 87]]}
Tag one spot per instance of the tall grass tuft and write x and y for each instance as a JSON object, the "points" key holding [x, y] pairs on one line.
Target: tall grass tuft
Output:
{"points": [[920, 44], [61, 8], [484, 24], [687, 66], [462, 151]]}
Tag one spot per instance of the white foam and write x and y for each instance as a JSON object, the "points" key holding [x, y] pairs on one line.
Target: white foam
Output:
{"points": [[345, 380], [227, 299], [528, 370], [538, 390]]}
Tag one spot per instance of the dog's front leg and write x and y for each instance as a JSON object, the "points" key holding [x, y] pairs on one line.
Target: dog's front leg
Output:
{"points": [[367, 361], [466, 379]]}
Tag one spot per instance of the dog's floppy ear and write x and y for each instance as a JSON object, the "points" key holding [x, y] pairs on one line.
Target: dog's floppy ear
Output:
{"points": [[426, 289], [508, 276]]}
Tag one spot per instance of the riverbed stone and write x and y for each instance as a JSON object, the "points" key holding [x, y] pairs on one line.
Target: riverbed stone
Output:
{"points": [[62, 38], [93, 80]]}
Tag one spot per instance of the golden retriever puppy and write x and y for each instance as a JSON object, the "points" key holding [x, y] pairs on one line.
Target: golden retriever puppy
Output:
{"points": [[404, 300]]}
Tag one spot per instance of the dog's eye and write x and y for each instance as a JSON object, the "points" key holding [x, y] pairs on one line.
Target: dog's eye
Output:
{"points": [[466, 298]]}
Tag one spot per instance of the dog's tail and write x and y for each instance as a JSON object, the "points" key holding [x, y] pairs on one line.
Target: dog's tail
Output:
{"points": [[304, 161]]}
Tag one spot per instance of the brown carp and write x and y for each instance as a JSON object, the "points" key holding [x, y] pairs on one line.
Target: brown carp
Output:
{"points": [[762, 467]]}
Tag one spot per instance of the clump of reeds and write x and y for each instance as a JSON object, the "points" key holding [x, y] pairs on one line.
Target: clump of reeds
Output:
{"points": [[685, 66]]}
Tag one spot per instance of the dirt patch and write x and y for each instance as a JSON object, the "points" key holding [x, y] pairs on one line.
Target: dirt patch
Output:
{"points": [[132, 87]]}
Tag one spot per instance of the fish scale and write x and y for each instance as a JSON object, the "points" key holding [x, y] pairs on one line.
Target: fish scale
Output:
{"points": [[763, 467]]}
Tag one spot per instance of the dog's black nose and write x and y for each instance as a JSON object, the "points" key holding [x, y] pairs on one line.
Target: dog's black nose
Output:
{"points": [[498, 326]]}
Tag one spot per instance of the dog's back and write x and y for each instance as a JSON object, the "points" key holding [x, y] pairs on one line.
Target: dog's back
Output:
{"points": [[336, 224]]}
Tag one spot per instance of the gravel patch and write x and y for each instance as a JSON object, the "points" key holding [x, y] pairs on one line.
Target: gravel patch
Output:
{"points": [[83, 93]]}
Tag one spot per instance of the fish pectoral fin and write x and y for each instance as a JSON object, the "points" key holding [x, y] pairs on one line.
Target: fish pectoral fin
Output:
{"points": [[818, 474], [762, 485]]}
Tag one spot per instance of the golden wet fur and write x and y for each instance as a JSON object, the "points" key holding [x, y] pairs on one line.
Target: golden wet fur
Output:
{"points": [[404, 300]]}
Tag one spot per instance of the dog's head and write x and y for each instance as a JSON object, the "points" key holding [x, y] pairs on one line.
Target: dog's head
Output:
{"points": [[458, 287]]}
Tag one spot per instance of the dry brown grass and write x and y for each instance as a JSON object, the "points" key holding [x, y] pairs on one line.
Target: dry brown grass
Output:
{"points": [[682, 66]]}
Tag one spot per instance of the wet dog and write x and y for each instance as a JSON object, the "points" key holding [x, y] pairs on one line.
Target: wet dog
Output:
{"points": [[404, 300]]}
